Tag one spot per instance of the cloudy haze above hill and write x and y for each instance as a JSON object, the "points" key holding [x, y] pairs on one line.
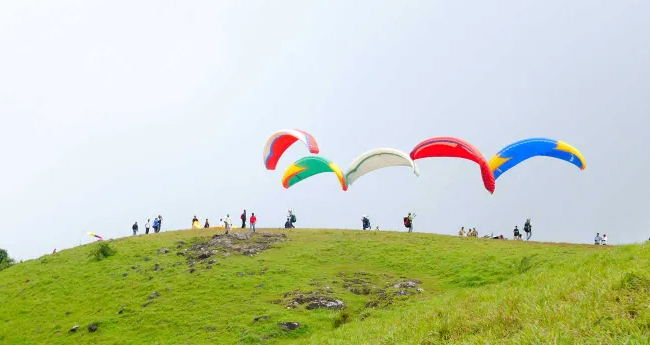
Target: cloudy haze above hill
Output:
{"points": [[116, 111]]}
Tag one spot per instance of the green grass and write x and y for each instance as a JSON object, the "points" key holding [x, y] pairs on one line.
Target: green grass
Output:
{"points": [[477, 291]]}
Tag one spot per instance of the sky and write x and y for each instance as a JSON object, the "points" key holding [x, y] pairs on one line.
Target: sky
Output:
{"points": [[118, 111]]}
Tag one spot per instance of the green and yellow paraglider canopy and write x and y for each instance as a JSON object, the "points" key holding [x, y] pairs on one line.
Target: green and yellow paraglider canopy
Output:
{"points": [[310, 166]]}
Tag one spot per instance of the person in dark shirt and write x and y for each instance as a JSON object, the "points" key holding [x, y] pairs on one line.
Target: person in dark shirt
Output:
{"points": [[365, 222], [135, 228], [528, 228], [243, 220]]}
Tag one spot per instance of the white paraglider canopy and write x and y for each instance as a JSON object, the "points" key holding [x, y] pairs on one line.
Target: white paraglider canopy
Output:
{"points": [[377, 159]]}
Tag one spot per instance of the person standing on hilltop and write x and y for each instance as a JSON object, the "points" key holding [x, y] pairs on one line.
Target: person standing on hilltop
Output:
{"points": [[195, 223], [207, 224], [155, 225], [253, 221], [528, 228], [597, 239], [516, 233], [461, 232], [243, 220], [147, 226], [159, 222], [365, 222], [291, 218], [408, 221], [135, 228], [228, 223]]}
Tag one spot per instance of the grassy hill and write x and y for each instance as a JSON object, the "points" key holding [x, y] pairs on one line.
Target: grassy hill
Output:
{"points": [[237, 291]]}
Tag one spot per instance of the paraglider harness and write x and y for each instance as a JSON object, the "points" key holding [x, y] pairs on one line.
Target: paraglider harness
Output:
{"points": [[527, 227], [290, 220], [366, 223], [407, 222]]}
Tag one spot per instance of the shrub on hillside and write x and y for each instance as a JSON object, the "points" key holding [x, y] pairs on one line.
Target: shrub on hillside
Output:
{"points": [[101, 251], [5, 260], [526, 264], [341, 319]]}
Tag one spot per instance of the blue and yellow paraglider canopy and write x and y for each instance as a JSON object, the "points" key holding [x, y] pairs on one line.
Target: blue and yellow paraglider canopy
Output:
{"points": [[522, 150]]}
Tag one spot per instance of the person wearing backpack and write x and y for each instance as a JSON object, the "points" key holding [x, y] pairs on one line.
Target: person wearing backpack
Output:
{"points": [[365, 222], [408, 221], [528, 229], [291, 218], [243, 220]]}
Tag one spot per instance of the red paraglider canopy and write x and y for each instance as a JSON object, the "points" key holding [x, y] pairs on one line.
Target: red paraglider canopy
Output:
{"points": [[454, 147]]}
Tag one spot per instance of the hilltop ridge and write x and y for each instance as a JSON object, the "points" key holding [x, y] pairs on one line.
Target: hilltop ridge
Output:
{"points": [[310, 286]]}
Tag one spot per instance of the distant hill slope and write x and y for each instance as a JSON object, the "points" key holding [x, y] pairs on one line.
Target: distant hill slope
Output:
{"points": [[340, 287]]}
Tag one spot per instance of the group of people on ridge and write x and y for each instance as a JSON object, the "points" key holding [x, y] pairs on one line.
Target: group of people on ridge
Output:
{"points": [[470, 232], [528, 229], [600, 240], [227, 222], [157, 223]]}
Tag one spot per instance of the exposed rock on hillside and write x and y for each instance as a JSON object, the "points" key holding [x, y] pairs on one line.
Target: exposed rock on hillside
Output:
{"points": [[313, 300], [243, 242]]}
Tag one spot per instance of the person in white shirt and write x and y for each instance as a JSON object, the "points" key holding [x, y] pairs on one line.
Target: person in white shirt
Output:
{"points": [[603, 241], [228, 223], [147, 226]]}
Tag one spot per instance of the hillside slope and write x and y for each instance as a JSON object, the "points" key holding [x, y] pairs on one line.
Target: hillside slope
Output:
{"points": [[236, 290]]}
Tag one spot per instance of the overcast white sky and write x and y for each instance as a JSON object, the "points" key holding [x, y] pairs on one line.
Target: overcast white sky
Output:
{"points": [[115, 111]]}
